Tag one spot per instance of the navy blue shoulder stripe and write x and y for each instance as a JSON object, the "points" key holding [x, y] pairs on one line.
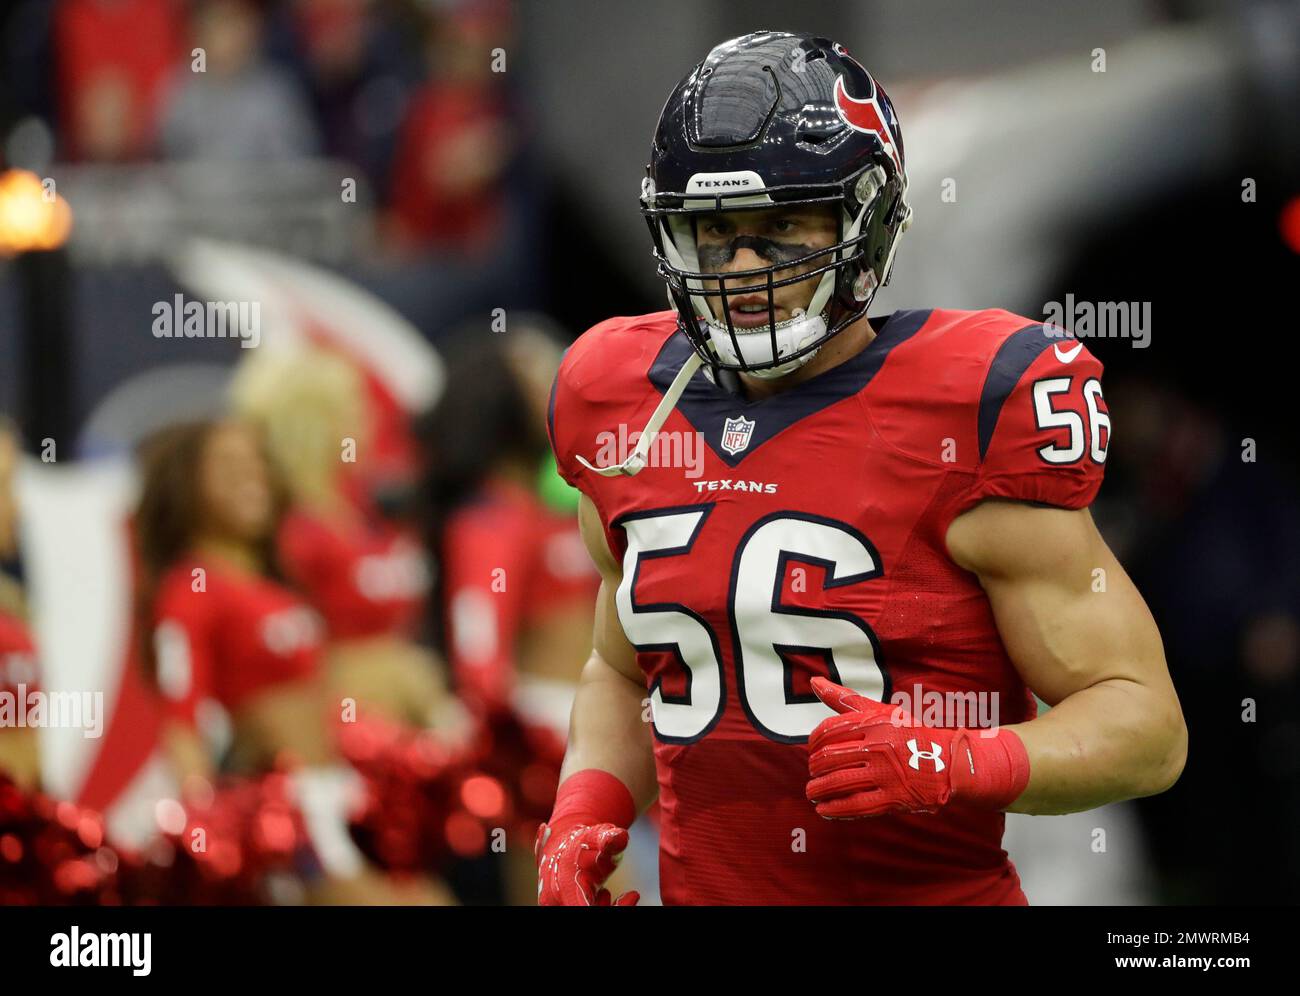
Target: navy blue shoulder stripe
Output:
{"points": [[1012, 359]]}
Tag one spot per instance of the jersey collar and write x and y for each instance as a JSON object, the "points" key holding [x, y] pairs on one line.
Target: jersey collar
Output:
{"points": [[707, 406]]}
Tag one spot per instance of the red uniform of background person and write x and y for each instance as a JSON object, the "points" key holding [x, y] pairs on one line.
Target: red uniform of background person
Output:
{"points": [[235, 654], [513, 597], [457, 139], [209, 616], [365, 578], [368, 578], [513, 565]]}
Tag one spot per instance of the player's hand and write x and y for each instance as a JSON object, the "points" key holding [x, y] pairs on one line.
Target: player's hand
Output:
{"points": [[872, 758], [573, 863]]}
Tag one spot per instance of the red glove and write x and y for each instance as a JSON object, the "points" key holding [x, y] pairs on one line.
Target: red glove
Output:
{"points": [[875, 758], [579, 848]]}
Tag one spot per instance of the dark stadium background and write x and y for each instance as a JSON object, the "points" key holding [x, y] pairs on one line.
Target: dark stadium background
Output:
{"points": [[1124, 185]]}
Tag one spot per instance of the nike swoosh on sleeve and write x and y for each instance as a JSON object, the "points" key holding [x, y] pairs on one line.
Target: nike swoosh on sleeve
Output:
{"points": [[1067, 357]]}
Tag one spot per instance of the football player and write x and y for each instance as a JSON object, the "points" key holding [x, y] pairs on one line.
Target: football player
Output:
{"points": [[891, 512]]}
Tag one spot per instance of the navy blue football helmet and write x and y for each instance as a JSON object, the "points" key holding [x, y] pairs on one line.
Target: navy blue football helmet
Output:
{"points": [[773, 118]]}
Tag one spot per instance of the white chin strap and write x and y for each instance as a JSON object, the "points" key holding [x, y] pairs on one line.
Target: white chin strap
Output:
{"points": [[637, 458]]}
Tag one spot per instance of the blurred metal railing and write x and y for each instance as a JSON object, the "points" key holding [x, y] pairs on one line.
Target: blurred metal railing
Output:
{"points": [[317, 209]]}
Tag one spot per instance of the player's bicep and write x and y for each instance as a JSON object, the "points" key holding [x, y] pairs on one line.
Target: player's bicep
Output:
{"points": [[608, 638], [1065, 609], [593, 537]]}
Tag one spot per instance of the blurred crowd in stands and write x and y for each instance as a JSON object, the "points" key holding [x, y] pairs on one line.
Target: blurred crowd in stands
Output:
{"points": [[405, 90]]}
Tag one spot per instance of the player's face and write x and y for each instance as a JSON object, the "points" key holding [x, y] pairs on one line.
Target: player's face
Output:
{"points": [[234, 485], [730, 241]]}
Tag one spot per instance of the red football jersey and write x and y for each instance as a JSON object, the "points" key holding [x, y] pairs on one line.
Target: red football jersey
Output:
{"points": [[237, 636], [508, 561], [365, 580], [770, 541], [17, 656]]}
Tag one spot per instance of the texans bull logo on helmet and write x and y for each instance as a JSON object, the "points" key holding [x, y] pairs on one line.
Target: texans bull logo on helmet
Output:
{"points": [[866, 116]]}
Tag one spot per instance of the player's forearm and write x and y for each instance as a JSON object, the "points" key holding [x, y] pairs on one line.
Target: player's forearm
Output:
{"points": [[1114, 740], [606, 731]]}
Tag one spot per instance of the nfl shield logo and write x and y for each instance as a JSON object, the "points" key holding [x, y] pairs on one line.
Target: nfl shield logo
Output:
{"points": [[736, 433]]}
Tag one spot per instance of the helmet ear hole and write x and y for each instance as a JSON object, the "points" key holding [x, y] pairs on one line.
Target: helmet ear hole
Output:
{"points": [[894, 206]]}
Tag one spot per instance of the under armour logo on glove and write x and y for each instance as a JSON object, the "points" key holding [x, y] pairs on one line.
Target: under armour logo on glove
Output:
{"points": [[866, 760], [930, 755]]}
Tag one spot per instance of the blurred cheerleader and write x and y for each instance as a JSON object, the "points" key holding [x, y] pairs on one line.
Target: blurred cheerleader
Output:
{"points": [[235, 652], [503, 527], [512, 608], [19, 751], [367, 579]]}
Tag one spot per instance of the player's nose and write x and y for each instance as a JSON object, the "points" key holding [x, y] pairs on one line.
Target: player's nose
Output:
{"points": [[745, 258]]}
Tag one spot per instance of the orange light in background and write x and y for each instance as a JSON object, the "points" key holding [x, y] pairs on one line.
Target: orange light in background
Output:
{"points": [[1288, 222], [465, 835], [28, 219], [483, 796]]}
